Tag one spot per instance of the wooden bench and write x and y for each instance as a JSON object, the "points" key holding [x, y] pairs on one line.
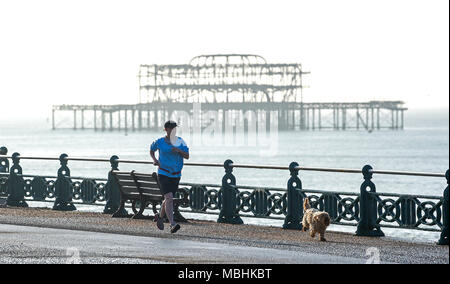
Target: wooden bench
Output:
{"points": [[142, 190]]}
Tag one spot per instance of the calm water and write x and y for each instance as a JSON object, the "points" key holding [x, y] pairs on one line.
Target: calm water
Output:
{"points": [[422, 146]]}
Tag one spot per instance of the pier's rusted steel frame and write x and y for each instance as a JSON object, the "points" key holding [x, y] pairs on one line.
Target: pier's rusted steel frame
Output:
{"points": [[222, 78], [369, 116], [236, 82]]}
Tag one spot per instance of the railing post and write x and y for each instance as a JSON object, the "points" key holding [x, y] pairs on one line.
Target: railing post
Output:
{"points": [[293, 220], [112, 191], [228, 196], [4, 168], [16, 184], [367, 225], [445, 209], [63, 187], [4, 163]]}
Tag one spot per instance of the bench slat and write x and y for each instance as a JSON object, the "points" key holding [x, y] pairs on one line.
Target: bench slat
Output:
{"points": [[153, 197], [127, 183], [148, 184], [158, 198], [145, 178], [124, 177], [129, 189], [151, 191]]}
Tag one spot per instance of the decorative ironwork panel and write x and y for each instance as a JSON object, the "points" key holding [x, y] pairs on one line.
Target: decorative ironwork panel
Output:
{"points": [[3, 186], [88, 192], [39, 189], [409, 211]]}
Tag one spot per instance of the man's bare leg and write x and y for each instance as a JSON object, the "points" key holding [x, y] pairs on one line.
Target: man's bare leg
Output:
{"points": [[163, 209], [168, 200]]}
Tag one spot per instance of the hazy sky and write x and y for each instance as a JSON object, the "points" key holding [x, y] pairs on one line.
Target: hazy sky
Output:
{"points": [[89, 52]]}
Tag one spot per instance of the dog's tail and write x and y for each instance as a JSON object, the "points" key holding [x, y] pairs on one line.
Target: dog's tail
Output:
{"points": [[306, 204]]}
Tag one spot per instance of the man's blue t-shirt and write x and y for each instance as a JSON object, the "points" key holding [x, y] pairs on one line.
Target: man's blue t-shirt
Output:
{"points": [[170, 163]]}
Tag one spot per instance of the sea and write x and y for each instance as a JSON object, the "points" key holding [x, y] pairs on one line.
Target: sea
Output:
{"points": [[423, 146]]}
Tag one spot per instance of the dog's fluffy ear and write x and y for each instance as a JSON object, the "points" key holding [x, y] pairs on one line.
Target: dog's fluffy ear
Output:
{"points": [[306, 205]]}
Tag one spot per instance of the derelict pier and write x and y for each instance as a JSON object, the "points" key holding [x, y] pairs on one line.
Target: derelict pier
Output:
{"points": [[222, 83]]}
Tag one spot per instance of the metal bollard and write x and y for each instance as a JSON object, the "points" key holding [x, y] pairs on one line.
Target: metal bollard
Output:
{"points": [[63, 187], [293, 220], [445, 209], [112, 191], [228, 196], [16, 184], [367, 225]]}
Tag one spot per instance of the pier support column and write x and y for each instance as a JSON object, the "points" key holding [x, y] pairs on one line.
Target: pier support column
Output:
{"points": [[133, 127], [344, 119], [367, 118], [302, 117], [320, 119], [338, 119], [119, 122], [126, 121], [378, 119], [357, 119], [334, 118], [373, 118], [140, 120], [111, 126], [314, 119], [95, 119], [307, 119], [82, 119], [53, 120], [74, 119], [403, 119], [293, 120], [103, 120], [392, 120], [397, 125]]}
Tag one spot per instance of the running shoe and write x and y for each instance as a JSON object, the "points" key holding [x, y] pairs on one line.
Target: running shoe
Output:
{"points": [[174, 229]]}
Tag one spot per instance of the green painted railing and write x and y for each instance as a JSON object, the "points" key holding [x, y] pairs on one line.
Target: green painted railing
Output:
{"points": [[368, 209]]}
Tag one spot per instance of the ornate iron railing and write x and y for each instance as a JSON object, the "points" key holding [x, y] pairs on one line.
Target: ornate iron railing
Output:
{"points": [[368, 209]]}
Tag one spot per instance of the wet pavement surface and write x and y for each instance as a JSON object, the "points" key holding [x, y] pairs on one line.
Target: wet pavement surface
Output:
{"points": [[98, 238], [23, 244]]}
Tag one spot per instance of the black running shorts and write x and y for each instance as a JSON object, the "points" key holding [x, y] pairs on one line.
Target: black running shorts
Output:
{"points": [[168, 184]]}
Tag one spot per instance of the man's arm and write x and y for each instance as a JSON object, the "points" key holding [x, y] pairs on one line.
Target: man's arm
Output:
{"points": [[183, 154], [155, 161]]}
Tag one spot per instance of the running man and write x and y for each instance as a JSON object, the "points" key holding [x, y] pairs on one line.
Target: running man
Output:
{"points": [[172, 151]]}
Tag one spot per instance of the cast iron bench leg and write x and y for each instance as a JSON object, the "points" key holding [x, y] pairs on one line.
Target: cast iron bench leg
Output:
{"points": [[120, 212]]}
